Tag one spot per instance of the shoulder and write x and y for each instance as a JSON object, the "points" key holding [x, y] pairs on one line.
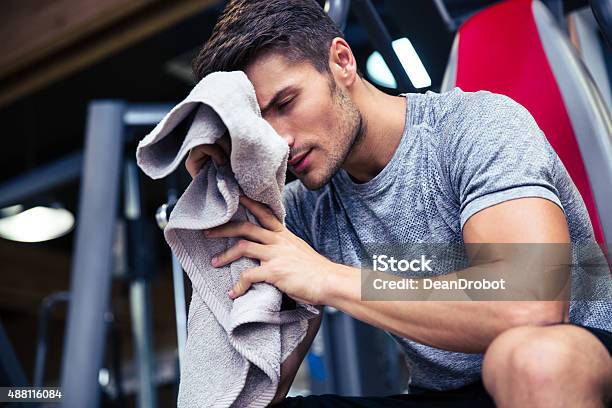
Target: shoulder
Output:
{"points": [[471, 121], [482, 109], [490, 142]]}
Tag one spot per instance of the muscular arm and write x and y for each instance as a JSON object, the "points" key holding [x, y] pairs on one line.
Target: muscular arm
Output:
{"points": [[291, 265], [464, 326]]}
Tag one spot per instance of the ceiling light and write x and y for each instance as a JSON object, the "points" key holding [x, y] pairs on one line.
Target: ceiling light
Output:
{"points": [[35, 224], [380, 73]]}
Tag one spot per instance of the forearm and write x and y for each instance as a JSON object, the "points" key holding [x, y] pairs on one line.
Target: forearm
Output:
{"points": [[291, 364], [464, 326]]}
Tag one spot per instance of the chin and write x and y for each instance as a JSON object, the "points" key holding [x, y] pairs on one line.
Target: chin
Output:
{"points": [[314, 181], [311, 186]]}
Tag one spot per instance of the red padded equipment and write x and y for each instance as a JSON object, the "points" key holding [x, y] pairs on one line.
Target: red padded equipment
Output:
{"points": [[499, 50]]}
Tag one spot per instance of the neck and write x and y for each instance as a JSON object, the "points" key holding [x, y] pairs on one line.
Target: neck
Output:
{"points": [[384, 118]]}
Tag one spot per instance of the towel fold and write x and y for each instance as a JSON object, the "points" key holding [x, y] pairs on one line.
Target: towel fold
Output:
{"points": [[234, 348]]}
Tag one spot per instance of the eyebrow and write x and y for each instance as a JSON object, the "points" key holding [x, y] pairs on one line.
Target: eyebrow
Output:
{"points": [[276, 98]]}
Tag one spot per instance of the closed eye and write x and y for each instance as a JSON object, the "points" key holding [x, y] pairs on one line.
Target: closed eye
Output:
{"points": [[284, 105]]}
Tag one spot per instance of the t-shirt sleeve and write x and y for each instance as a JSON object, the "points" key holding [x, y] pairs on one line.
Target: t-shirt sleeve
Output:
{"points": [[297, 219], [496, 152]]}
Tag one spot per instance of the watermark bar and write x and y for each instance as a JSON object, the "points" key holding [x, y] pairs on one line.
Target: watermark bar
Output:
{"points": [[485, 272], [31, 394]]}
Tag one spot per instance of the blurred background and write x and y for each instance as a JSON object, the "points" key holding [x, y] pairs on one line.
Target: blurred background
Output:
{"points": [[56, 57]]}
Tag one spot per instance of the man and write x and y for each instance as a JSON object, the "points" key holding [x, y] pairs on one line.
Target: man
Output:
{"points": [[451, 168]]}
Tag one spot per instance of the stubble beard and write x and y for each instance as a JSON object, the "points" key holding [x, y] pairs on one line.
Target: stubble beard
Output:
{"points": [[350, 132]]}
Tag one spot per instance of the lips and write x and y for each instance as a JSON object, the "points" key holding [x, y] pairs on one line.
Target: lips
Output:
{"points": [[297, 158], [300, 162]]}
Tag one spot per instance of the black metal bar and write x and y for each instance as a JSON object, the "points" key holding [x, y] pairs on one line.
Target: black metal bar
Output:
{"points": [[140, 303], [378, 34], [116, 360], [41, 179], [338, 10], [449, 22], [162, 216], [556, 8], [92, 260], [602, 10], [46, 308]]}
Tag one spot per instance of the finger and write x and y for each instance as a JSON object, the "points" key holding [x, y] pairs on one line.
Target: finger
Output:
{"points": [[195, 161], [244, 229], [217, 154], [247, 278], [199, 155], [264, 215], [242, 248]]}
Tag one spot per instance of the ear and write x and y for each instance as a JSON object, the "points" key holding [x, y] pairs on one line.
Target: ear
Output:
{"points": [[342, 62]]}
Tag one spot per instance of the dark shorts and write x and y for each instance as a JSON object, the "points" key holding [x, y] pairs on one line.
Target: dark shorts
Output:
{"points": [[604, 336], [472, 395]]}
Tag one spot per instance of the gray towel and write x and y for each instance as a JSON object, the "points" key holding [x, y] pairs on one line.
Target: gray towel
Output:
{"points": [[234, 348]]}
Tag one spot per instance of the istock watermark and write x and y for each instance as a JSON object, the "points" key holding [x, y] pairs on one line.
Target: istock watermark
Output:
{"points": [[384, 263], [555, 272], [427, 283]]}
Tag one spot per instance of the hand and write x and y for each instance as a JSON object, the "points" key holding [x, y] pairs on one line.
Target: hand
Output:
{"points": [[286, 261], [199, 155]]}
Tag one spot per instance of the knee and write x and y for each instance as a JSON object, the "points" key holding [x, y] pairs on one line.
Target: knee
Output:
{"points": [[527, 357]]}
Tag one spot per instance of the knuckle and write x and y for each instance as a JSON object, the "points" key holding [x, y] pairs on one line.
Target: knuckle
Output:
{"points": [[189, 162], [274, 267], [194, 152], [249, 226], [243, 244]]}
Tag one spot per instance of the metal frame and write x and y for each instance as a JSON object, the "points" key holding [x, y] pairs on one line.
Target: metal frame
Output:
{"points": [[338, 11], [367, 15], [178, 284], [46, 308], [449, 22], [140, 303], [41, 179], [104, 167], [102, 163], [381, 39], [556, 9], [92, 260], [101, 168], [602, 10]]}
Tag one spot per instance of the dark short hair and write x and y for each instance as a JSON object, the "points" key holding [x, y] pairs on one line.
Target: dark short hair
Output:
{"points": [[298, 29]]}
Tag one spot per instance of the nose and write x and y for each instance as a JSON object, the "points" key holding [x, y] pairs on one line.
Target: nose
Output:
{"points": [[287, 138], [283, 129]]}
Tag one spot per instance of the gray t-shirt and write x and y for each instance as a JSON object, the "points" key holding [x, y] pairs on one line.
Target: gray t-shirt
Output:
{"points": [[460, 153]]}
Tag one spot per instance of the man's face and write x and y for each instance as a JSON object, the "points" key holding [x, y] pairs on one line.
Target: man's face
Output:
{"points": [[310, 111]]}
